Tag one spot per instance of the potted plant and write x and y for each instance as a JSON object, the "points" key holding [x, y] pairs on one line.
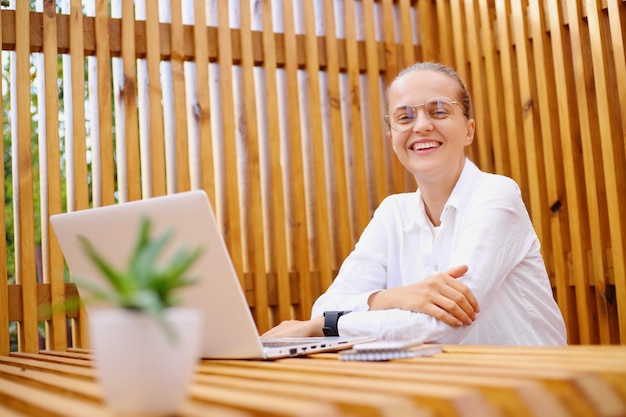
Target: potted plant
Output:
{"points": [[145, 346]]}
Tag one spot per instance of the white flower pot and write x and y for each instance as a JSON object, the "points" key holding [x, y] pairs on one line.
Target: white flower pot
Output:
{"points": [[140, 368]]}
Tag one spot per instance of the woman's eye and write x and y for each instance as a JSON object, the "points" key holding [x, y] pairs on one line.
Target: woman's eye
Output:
{"points": [[404, 118]]}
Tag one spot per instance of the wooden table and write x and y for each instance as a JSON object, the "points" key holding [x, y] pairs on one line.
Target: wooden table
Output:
{"points": [[471, 381]]}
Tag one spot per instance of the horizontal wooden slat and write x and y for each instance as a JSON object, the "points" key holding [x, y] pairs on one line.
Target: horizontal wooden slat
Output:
{"points": [[36, 42]]}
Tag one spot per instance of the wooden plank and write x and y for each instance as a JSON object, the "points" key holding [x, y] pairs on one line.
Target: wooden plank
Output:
{"points": [[35, 401], [613, 176], [181, 141], [440, 399], [156, 185], [297, 229], [204, 168], [53, 265], [512, 396], [445, 35], [360, 201], [395, 172], [28, 335], [125, 91], [261, 404], [347, 401], [104, 178], [553, 164], [5, 340], [613, 158], [510, 98], [80, 392], [618, 26], [189, 51], [578, 37], [574, 184], [482, 138], [377, 145], [254, 225], [493, 85], [230, 218], [531, 133], [277, 234], [77, 187], [340, 212], [320, 245]]}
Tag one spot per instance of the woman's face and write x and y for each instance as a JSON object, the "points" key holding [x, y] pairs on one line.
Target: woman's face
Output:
{"points": [[429, 148]]}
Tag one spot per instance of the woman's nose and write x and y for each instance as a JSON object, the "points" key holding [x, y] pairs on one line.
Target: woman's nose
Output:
{"points": [[422, 122]]}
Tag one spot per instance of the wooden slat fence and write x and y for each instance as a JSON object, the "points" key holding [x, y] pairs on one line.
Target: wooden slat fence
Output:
{"points": [[275, 107]]}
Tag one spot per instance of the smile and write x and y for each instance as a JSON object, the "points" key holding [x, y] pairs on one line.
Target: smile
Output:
{"points": [[419, 146]]}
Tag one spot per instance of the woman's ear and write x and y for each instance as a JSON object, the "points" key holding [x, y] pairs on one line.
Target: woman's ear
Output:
{"points": [[471, 128]]}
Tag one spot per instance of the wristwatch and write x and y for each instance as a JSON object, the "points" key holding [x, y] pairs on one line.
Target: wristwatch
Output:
{"points": [[330, 322]]}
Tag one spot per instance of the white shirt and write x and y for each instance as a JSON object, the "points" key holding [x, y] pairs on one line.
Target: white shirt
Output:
{"points": [[485, 226]]}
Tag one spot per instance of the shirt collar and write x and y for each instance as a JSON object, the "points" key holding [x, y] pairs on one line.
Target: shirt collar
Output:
{"points": [[420, 218]]}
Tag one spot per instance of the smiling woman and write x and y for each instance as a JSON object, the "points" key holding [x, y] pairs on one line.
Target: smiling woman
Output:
{"points": [[435, 265]]}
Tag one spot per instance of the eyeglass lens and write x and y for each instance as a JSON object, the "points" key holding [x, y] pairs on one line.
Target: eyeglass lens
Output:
{"points": [[437, 110]]}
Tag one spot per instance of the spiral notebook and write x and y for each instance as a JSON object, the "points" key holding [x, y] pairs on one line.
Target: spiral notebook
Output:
{"points": [[385, 351]]}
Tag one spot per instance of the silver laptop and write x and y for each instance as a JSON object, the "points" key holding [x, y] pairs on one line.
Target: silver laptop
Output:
{"points": [[229, 331]]}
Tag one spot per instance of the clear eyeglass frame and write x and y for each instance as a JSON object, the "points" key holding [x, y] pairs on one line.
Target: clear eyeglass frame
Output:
{"points": [[438, 110]]}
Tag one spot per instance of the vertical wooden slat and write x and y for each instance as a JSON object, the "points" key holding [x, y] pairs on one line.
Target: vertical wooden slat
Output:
{"points": [[395, 170], [618, 26], [446, 44], [482, 140], [54, 271], [546, 107], [106, 176], [406, 36], [26, 273], [322, 248], [509, 99], [4, 289], [201, 108], [75, 136], [493, 84], [613, 160], [277, 234], [78, 184], [360, 207], [297, 221], [156, 140], [428, 29], [458, 38], [339, 197], [530, 129], [127, 134], [254, 225], [408, 58], [575, 203], [180, 101], [586, 319], [231, 219], [377, 144]]}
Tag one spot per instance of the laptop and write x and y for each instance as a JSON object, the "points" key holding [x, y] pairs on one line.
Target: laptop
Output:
{"points": [[229, 331]]}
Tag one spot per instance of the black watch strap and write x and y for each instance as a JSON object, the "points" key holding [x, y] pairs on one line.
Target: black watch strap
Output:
{"points": [[330, 322]]}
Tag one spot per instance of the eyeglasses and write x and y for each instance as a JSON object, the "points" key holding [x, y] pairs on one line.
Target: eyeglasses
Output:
{"points": [[438, 110]]}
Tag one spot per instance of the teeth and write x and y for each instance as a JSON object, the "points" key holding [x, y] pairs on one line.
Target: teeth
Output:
{"points": [[424, 145]]}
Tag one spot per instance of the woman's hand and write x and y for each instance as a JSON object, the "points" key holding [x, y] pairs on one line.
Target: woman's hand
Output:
{"points": [[297, 328], [441, 296]]}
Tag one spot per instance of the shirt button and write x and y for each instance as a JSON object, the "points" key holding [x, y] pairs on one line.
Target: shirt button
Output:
{"points": [[436, 268]]}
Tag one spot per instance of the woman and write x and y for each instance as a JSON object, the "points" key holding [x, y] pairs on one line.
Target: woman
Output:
{"points": [[457, 261]]}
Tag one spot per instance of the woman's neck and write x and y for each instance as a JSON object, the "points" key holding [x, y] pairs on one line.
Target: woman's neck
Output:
{"points": [[435, 193]]}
